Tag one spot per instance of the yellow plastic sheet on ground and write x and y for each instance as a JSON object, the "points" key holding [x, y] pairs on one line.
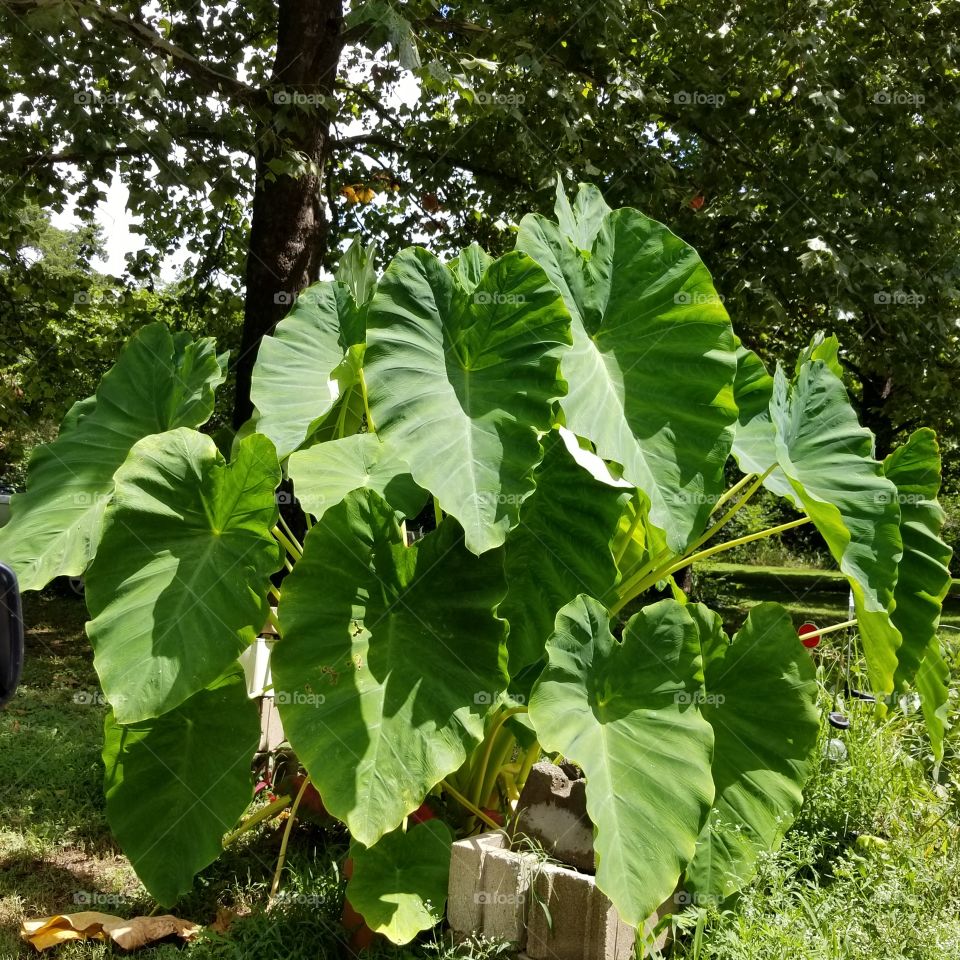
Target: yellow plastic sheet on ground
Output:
{"points": [[90, 925]]}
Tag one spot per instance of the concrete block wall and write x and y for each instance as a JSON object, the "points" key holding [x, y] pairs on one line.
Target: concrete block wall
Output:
{"points": [[547, 911]]}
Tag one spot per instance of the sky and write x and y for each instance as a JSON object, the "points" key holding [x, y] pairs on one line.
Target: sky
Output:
{"points": [[118, 235]]}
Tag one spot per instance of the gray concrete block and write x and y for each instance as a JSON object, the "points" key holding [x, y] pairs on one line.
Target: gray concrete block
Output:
{"points": [[504, 892], [464, 906], [552, 812], [501, 894], [582, 924]]}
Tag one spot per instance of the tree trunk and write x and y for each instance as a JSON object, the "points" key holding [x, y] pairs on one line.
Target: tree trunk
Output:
{"points": [[288, 231]]}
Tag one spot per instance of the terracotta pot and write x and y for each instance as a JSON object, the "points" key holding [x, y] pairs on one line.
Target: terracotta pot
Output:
{"points": [[360, 935]]}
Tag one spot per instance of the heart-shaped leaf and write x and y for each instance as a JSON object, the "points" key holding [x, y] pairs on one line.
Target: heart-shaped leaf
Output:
{"points": [[561, 548], [924, 575], [176, 784], [924, 578], [161, 381], [325, 473], [310, 360], [627, 713], [463, 381], [827, 457], [761, 700], [389, 659], [652, 367], [399, 885], [190, 593]]}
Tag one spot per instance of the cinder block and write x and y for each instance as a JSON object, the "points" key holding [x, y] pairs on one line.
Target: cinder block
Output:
{"points": [[583, 924], [464, 906], [507, 895], [504, 894], [552, 812]]}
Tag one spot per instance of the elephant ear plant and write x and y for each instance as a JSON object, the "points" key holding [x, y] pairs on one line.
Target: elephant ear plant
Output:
{"points": [[566, 414]]}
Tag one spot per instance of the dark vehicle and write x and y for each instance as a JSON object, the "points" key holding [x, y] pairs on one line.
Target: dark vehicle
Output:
{"points": [[11, 634]]}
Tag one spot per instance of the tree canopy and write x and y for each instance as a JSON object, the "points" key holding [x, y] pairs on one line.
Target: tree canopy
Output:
{"points": [[807, 151]]}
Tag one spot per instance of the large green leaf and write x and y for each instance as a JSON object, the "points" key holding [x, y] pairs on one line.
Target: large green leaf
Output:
{"points": [[161, 381], [754, 442], [933, 685], [761, 696], [924, 578], [827, 458], [463, 381], [468, 269], [822, 347], [179, 584], [177, 783], [324, 474], [306, 365], [358, 271], [755, 437], [652, 368], [561, 548], [582, 221], [399, 885], [924, 575], [627, 712], [389, 657]]}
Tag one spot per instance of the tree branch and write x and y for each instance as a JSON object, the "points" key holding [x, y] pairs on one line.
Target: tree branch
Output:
{"points": [[86, 157], [411, 152], [206, 75]]}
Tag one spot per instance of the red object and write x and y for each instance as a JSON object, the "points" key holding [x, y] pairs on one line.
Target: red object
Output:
{"points": [[361, 936], [807, 628], [422, 814], [697, 202], [494, 815]]}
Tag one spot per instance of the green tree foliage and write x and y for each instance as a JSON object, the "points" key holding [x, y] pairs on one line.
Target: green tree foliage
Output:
{"points": [[62, 325], [808, 153]]}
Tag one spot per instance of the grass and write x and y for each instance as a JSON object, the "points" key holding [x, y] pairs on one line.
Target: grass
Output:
{"points": [[870, 868], [57, 855], [831, 892], [56, 852]]}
